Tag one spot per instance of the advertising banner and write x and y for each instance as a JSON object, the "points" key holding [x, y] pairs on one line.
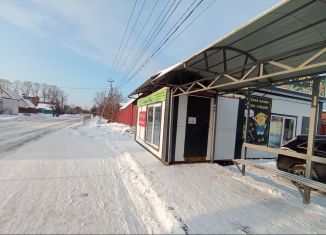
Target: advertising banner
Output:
{"points": [[142, 118], [157, 96], [259, 120]]}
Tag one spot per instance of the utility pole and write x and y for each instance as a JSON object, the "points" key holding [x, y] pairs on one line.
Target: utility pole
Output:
{"points": [[106, 98]]}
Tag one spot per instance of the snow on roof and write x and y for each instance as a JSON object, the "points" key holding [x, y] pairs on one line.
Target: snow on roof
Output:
{"points": [[12, 94], [29, 103], [44, 106], [125, 105]]}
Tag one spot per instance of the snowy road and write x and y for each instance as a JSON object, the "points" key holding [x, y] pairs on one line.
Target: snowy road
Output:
{"points": [[15, 134], [89, 179]]}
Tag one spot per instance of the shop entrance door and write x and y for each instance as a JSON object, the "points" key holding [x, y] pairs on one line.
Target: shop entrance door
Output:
{"points": [[197, 125]]}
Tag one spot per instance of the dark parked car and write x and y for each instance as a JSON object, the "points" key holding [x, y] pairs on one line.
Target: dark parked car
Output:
{"points": [[298, 166]]}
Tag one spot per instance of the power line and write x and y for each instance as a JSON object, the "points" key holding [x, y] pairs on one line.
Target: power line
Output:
{"points": [[159, 29], [82, 88], [128, 39], [118, 55], [123, 37], [179, 34], [179, 19], [153, 54], [149, 36], [142, 29]]}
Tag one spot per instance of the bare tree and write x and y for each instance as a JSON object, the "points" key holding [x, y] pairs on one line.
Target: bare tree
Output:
{"points": [[63, 98], [35, 89], [16, 85], [26, 87], [108, 105], [99, 98], [44, 91], [5, 84], [53, 93]]}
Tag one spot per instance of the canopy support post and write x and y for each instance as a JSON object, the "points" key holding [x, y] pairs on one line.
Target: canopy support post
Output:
{"points": [[244, 148], [311, 136]]}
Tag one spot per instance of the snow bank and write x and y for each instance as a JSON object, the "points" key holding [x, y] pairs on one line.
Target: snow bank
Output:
{"points": [[112, 127]]}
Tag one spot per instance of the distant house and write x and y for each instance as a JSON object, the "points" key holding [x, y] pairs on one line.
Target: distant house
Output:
{"points": [[75, 110], [9, 101], [45, 107], [127, 113], [35, 100], [26, 106]]}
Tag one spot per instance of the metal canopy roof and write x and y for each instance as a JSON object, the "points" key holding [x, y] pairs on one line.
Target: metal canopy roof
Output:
{"points": [[285, 42]]}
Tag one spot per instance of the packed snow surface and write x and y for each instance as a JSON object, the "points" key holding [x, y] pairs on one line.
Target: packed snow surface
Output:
{"points": [[94, 178]]}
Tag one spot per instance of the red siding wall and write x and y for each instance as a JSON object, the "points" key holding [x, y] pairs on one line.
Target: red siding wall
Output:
{"points": [[323, 124], [128, 115]]}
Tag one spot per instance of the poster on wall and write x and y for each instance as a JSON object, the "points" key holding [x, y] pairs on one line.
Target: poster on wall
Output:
{"points": [[142, 119], [259, 120]]}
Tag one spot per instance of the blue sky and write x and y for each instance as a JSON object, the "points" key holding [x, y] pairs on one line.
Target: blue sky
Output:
{"points": [[73, 43]]}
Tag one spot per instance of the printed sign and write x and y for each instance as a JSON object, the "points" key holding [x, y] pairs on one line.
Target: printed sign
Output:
{"points": [[142, 119], [192, 120], [157, 96], [259, 120]]}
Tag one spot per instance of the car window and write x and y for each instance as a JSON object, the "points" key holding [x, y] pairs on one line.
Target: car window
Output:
{"points": [[320, 150], [302, 146]]}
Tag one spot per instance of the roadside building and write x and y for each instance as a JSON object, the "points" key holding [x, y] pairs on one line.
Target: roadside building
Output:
{"points": [[9, 101], [34, 99], [45, 107], [284, 115], [195, 110], [26, 106], [127, 113]]}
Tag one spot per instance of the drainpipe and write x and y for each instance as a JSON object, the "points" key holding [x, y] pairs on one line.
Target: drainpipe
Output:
{"points": [[244, 149], [214, 128], [170, 127]]}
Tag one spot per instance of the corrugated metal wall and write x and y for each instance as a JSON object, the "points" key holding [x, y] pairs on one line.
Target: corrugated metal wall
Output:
{"points": [[127, 116]]}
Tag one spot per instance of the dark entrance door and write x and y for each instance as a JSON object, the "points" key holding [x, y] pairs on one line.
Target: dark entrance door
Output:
{"points": [[196, 138]]}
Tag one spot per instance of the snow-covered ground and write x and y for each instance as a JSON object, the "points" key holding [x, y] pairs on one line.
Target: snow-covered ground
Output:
{"points": [[95, 179], [35, 117], [17, 130]]}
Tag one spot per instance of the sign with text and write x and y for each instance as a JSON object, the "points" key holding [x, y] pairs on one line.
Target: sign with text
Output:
{"points": [[157, 96], [142, 118], [259, 120], [192, 120]]}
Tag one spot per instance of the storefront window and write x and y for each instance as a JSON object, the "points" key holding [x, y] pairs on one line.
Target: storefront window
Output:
{"points": [[157, 126], [153, 127], [305, 125], [275, 132], [288, 132], [282, 129], [149, 126]]}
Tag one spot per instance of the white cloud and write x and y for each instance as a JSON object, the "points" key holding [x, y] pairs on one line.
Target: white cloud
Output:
{"points": [[27, 18], [85, 28]]}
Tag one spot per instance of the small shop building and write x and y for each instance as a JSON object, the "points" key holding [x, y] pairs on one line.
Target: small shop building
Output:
{"points": [[195, 110], [195, 117]]}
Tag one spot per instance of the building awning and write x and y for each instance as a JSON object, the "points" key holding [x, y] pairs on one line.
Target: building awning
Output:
{"points": [[287, 41]]}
